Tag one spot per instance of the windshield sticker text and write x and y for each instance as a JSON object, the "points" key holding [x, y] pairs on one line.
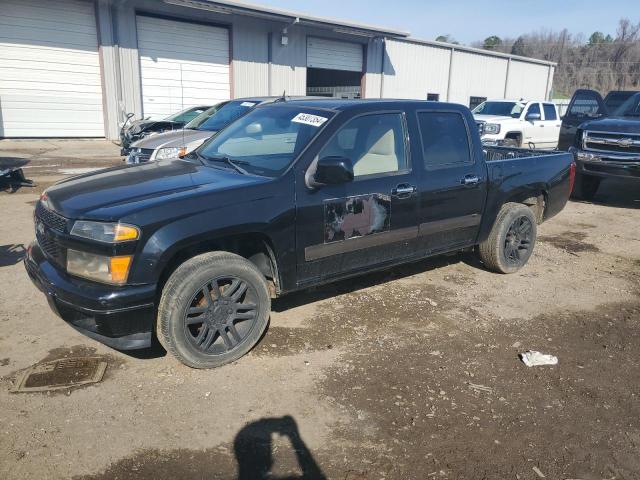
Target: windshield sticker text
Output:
{"points": [[307, 119]]}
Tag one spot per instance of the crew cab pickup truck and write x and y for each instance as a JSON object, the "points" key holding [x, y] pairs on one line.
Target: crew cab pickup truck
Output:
{"points": [[291, 195], [517, 123], [604, 136]]}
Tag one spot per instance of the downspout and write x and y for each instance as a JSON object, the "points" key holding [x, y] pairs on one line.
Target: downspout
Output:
{"points": [[116, 55], [383, 65], [270, 62], [453, 51], [506, 80]]}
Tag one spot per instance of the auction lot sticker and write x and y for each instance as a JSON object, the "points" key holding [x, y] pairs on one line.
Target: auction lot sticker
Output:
{"points": [[308, 119]]}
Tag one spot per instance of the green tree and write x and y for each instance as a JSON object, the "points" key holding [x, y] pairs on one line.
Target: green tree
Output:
{"points": [[596, 38], [447, 39], [492, 42], [519, 47]]}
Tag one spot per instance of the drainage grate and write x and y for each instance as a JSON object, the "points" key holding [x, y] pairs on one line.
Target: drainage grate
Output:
{"points": [[60, 374]]}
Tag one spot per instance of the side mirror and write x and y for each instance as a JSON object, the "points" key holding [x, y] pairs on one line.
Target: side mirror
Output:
{"points": [[532, 116], [333, 171]]}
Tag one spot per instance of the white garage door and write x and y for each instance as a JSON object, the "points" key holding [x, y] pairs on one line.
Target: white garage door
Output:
{"points": [[182, 65], [334, 55], [49, 70]]}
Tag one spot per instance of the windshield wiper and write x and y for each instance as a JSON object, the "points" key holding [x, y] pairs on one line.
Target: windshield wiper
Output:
{"points": [[232, 163]]}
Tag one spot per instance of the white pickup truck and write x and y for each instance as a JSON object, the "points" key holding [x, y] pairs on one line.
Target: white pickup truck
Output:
{"points": [[518, 123]]}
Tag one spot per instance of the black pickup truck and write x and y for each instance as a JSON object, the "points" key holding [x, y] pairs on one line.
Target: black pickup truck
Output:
{"points": [[289, 196], [604, 136]]}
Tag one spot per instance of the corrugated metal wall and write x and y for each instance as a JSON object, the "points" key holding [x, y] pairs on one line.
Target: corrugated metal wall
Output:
{"points": [[527, 80], [412, 70], [261, 65]]}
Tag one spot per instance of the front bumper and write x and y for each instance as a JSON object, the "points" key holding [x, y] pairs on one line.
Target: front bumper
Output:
{"points": [[606, 165], [120, 317]]}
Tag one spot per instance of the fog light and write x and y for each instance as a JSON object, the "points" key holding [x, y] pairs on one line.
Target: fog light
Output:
{"points": [[100, 268]]}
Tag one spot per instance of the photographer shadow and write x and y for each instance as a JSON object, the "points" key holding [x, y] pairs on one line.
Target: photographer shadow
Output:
{"points": [[253, 447]]}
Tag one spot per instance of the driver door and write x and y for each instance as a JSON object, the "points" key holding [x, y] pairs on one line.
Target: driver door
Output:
{"points": [[354, 226], [533, 127]]}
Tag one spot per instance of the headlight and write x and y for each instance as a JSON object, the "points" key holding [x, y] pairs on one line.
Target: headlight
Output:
{"points": [[491, 128], [105, 232], [113, 270], [165, 153]]}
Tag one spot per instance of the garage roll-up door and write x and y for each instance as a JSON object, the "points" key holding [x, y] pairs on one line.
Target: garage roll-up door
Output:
{"points": [[182, 64], [49, 70], [334, 54]]}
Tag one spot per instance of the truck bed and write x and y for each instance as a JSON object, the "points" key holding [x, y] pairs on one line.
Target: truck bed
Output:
{"points": [[492, 154]]}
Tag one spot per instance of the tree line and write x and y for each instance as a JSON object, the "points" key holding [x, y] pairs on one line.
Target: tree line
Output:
{"points": [[602, 62]]}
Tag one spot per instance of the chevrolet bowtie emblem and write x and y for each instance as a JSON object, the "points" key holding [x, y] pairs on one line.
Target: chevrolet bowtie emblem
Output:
{"points": [[625, 142]]}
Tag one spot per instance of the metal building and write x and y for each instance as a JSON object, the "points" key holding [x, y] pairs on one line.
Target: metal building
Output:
{"points": [[74, 68]]}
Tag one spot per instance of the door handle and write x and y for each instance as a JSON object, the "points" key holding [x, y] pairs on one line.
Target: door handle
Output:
{"points": [[404, 190], [470, 180], [541, 126]]}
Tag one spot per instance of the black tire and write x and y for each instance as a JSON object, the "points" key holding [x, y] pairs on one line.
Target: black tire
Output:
{"points": [[511, 241], [585, 187], [510, 142], [208, 330]]}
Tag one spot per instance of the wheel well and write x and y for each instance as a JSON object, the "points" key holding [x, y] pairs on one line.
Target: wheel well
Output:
{"points": [[537, 204], [254, 247], [517, 136]]}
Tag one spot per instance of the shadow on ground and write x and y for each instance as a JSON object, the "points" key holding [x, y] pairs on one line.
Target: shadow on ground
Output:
{"points": [[11, 254], [269, 448]]}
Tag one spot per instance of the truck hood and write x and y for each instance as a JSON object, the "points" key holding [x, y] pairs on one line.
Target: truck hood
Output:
{"points": [[613, 125], [493, 118], [116, 192], [176, 138]]}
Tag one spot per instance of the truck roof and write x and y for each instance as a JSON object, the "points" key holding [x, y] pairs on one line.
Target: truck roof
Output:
{"points": [[338, 104]]}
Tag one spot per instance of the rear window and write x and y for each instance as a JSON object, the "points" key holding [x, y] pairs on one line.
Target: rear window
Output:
{"points": [[550, 112], [445, 141], [585, 104]]}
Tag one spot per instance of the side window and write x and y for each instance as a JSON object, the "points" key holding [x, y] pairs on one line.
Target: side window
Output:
{"points": [[444, 139], [433, 97], [549, 111], [585, 104], [533, 109], [374, 143]]}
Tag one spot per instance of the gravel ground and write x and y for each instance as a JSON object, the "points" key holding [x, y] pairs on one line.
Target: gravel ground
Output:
{"points": [[411, 373]]}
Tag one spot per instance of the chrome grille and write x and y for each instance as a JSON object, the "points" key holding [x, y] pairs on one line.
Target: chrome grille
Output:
{"points": [[612, 142], [140, 155], [51, 219]]}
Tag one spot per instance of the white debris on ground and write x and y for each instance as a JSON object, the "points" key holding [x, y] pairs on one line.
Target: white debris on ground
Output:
{"points": [[536, 359]]}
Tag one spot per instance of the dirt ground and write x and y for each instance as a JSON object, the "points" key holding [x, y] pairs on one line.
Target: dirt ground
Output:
{"points": [[411, 373]]}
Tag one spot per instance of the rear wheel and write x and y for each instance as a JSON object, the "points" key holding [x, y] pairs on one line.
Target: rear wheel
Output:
{"points": [[213, 310], [511, 241], [585, 187]]}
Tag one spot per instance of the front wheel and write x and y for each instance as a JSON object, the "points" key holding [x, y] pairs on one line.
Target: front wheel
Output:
{"points": [[214, 308], [511, 240]]}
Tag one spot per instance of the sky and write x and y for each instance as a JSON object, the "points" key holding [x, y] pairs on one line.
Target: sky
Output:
{"points": [[472, 20]]}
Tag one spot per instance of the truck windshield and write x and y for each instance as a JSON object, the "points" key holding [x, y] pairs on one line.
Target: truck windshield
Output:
{"points": [[630, 108], [499, 109], [265, 141], [218, 117]]}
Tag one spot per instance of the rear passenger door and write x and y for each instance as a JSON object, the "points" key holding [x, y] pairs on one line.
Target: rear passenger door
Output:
{"points": [[551, 125], [452, 182], [346, 228], [584, 105]]}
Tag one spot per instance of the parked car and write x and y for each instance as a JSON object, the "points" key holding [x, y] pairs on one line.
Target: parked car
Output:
{"points": [[135, 130], [605, 139], [291, 195], [517, 123], [179, 143]]}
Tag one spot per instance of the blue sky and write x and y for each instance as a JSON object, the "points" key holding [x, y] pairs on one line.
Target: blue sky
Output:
{"points": [[470, 20]]}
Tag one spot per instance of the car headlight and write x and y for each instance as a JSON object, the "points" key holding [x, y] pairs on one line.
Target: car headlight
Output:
{"points": [[491, 128], [166, 153], [100, 268], [105, 232]]}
